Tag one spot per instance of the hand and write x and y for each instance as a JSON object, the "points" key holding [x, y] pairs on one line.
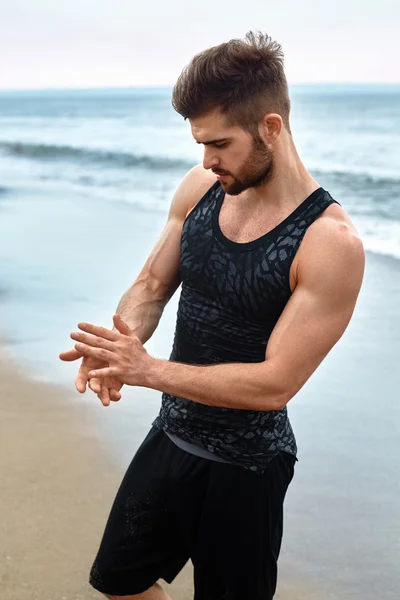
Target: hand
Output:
{"points": [[123, 351], [106, 390]]}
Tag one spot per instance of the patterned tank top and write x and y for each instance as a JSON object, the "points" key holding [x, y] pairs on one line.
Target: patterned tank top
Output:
{"points": [[231, 298]]}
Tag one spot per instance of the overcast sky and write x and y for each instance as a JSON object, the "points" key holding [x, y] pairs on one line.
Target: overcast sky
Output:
{"points": [[86, 43]]}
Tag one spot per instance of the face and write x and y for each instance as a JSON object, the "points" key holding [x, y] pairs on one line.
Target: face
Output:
{"points": [[240, 161]]}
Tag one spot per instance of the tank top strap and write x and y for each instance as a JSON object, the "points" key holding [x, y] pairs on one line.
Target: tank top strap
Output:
{"points": [[316, 207]]}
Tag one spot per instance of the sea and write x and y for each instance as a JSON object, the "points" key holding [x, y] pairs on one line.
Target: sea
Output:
{"points": [[86, 180]]}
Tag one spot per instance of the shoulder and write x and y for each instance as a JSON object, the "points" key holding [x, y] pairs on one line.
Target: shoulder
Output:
{"points": [[331, 249], [191, 190]]}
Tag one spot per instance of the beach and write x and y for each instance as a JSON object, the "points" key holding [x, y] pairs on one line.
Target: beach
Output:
{"points": [[86, 181], [60, 471]]}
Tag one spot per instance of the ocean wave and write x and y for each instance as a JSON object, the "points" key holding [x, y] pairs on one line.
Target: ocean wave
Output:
{"points": [[360, 179], [50, 152], [379, 236], [355, 179]]}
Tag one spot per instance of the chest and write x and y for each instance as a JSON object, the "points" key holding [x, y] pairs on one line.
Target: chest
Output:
{"points": [[253, 282], [241, 225]]}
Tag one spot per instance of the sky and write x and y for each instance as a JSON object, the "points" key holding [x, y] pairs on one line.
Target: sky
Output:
{"points": [[99, 43]]}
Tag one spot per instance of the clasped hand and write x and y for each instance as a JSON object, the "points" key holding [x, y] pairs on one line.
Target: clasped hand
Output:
{"points": [[121, 350]]}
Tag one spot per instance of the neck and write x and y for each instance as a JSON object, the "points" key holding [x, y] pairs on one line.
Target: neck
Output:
{"points": [[291, 182]]}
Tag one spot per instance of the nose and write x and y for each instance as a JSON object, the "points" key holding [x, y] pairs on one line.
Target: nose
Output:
{"points": [[209, 160]]}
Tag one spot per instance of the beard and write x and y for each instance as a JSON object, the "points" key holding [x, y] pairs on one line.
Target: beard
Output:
{"points": [[257, 170]]}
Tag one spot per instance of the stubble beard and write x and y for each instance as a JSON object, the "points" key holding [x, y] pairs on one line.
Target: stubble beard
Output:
{"points": [[257, 171]]}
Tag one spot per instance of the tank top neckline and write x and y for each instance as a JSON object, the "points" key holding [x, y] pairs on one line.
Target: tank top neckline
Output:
{"points": [[240, 246]]}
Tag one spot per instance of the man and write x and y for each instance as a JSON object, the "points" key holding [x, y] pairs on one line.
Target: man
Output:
{"points": [[271, 267]]}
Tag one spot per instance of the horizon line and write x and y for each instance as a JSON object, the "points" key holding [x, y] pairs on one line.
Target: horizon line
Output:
{"points": [[170, 86]]}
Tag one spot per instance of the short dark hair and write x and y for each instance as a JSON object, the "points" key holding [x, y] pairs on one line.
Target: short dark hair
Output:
{"points": [[243, 79]]}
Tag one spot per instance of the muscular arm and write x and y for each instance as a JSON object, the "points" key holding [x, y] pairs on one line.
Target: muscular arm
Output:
{"points": [[142, 305], [314, 319]]}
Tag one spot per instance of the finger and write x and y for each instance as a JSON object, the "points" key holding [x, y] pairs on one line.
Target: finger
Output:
{"points": [[70, 355], [121, 325], [80, 383], [101, 373], [97, 353], [82, 377], [115, 395], [102, 332], [92, 340], [104, 395], [95, 385]]}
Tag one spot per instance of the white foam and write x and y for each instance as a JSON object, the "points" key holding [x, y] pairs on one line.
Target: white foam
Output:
{"points": [[380, 236]]}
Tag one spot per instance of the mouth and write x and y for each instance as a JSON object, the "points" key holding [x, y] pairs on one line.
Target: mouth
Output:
{"points": [[221, 175]]}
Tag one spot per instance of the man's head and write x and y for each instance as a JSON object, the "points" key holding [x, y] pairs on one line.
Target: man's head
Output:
{"points": [[235, 96]]}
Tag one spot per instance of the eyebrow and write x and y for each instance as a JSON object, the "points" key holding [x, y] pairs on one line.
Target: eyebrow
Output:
{"points": [[213, 141]]}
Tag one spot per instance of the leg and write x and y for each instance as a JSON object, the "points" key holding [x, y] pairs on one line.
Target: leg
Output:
{"points": [[240, 531], [141, 542], [154, 593]]}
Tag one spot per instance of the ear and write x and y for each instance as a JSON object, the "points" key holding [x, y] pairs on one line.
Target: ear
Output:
{"points": [[271, 127]]}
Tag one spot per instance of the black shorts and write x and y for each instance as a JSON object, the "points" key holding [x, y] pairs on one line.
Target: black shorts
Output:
{"points": [[172, 506]]}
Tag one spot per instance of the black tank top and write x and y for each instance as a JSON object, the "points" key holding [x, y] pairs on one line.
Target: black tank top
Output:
{"points": [[232, 296]]}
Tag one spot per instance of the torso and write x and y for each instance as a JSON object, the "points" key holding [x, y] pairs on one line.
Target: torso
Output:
{"points": [[237, 277]]}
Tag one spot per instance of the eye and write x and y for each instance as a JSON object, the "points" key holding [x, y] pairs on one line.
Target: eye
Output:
{"points": [[221, 145]]}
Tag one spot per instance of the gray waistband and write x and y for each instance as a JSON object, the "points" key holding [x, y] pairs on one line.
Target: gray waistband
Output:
{"points": [[192, 449]]}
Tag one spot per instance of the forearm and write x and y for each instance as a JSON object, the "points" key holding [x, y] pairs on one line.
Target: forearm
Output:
{"points": [[141, 308], [250, 386]]}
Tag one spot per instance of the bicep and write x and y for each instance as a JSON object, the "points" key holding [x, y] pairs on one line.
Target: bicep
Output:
{"points": [[317, 314]]}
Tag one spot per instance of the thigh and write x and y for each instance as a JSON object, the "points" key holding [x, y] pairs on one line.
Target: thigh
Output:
{"points": [[141, 542], [240, 531]]}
